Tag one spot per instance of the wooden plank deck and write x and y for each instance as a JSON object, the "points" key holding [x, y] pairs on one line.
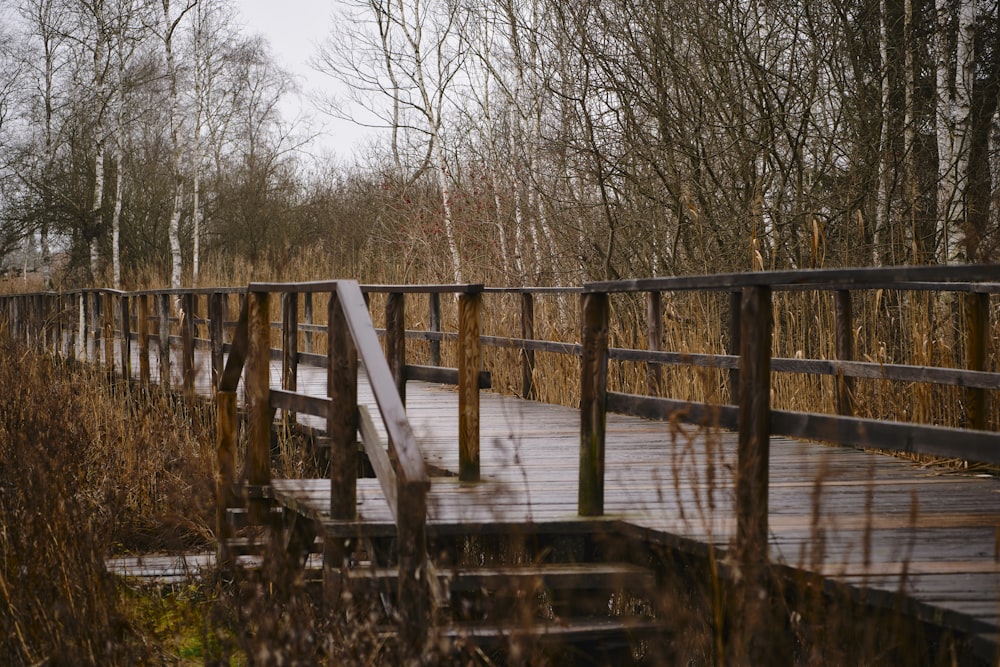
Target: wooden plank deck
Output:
{"points": [[881, 524]]}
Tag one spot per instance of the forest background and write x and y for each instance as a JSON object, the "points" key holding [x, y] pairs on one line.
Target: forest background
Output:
{"points": [[522, 141]]}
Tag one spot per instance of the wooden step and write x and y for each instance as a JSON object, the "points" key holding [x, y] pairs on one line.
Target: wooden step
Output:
{"points": [[257, 545], [571, 576], [608, 631], [239, 517]]}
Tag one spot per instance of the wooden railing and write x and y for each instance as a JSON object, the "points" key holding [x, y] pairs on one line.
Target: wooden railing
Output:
{"points": [[752, 415], [73, 322], [351, 336]]}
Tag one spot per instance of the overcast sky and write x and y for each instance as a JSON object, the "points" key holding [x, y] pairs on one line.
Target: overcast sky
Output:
{"points": [[295, 28]]}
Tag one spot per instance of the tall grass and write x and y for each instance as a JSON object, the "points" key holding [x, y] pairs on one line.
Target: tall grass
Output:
{"points": [[88, 468]]}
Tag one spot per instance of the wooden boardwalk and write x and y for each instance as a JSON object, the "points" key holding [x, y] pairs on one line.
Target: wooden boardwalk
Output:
{"points": [[891, 534], [879, 524]]}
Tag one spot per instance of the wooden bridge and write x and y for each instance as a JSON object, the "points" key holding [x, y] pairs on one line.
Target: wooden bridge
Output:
{"points": [[595, 495]]}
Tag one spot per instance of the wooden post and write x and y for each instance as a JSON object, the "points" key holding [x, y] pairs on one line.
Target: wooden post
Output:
{"points": [[308, 315], [109, 332], [843, 323], [434, 318], [59, 304], [226, 417], [754, 424], [126, 342], [469, 364], [164, 342], [83, 336], [188, 315], [142, 324], [96, 327], [289, 345], [733, 347], [654, 342], [395, 340], [528, 356], [593, 403], [257, 390], [753, 617], [413, 590], [342, 422], [977, 309], [216, 333]]}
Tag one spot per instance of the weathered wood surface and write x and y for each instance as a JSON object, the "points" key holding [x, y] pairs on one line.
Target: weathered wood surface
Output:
{"points": [[875, 522]]}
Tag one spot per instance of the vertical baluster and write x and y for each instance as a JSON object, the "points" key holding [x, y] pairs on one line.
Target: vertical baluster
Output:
{"points": [[593, 403], [289, 343], [216, 317], [654, 342], [469, 365], [342, 422], [753, 610], [307, 307], [733, 344], [126, 342], [109, 331], [434, 319], [843, 323], [528, 356], [257, 389], [142, 324], [395, 340], [164, 303], [977, 332], [96, 328]]}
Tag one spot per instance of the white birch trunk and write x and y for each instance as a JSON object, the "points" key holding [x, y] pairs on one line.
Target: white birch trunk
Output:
{"points": [[884, 196], [116, 215], [173, 229], [952, 125], [97, 210], [442, 173]]}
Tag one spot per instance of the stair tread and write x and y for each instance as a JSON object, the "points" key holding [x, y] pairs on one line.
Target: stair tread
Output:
{"points": [[564, 630], [560, 575]]}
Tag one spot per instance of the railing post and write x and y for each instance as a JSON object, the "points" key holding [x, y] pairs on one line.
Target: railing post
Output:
{"points": [[95, 328], [307, 306], [188, 314], [843, 323], [654, 342], [109, 332], [395, 340], [733, 344], [289, 344], [164, 341], [81, 340], [257, 390], [126, 342], [413, 590], [226, 420], [753, 614], [528, 356], [977, 353], [754, 424], [216, 324], [60, 326], [469, 364], [593, 402], [434, 324], [142, 325], [342, 422]]}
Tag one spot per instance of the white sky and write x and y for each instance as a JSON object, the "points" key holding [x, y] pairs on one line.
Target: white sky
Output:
{"points": [[295, 28]]}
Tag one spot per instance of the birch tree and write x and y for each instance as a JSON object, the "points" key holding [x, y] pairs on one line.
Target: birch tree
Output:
{"points": [[418, 53], [954, 39], [169, 26]]}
